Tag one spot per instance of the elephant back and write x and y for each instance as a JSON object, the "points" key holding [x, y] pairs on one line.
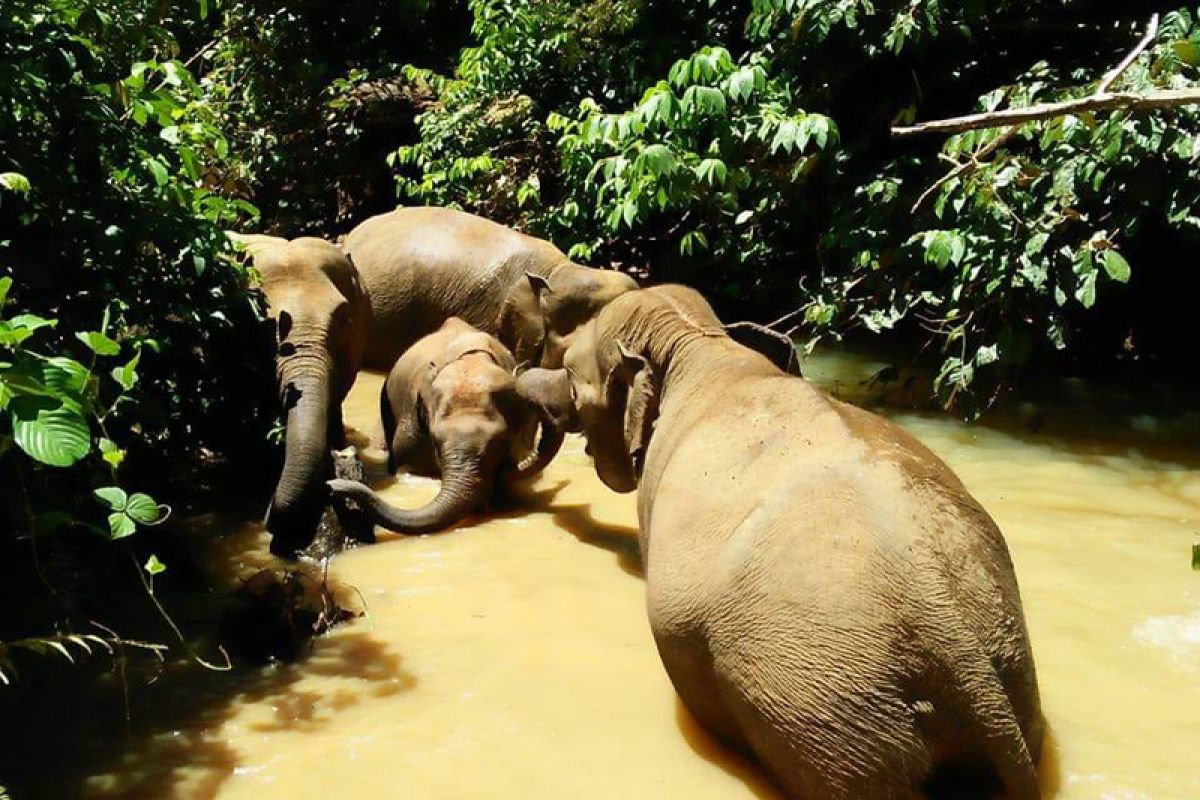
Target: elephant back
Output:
{"points": [[420, 266]]}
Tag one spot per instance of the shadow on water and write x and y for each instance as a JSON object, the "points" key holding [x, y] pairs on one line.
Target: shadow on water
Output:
{"points": [[184, 758], [1050, 765], [82, 731], [172, 747], [577, 520], [621, 540]]}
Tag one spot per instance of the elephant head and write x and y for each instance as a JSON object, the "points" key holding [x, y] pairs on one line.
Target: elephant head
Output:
{"points": [[614, 365], [568, 297], [321, 313], [480, 423]]}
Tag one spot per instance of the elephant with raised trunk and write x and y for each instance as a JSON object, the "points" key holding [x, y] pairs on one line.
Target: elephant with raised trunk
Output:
{"points": [[823, 590], [321, 314], [422, 265], [453, 407]]}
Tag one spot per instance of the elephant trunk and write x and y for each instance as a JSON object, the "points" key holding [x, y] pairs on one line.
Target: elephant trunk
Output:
{"points": [[463, 489], [300, 497], [549, 443]]}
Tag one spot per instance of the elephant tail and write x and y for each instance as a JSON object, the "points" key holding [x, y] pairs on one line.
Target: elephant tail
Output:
{"points": [[977, 698]]}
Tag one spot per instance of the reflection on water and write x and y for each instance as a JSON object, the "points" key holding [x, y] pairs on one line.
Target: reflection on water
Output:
{"points": [[511, 657]]}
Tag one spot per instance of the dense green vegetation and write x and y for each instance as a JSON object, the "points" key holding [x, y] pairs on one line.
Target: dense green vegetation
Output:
{"points": [[741, 146]]}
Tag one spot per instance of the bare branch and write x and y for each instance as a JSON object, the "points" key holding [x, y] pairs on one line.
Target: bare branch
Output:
{"points": [[1119, 69], [1153, 101], [1101, 100]]}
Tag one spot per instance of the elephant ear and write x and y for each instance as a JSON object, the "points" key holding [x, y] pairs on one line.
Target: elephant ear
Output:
{"points": [[538, 283], [641, 405]]}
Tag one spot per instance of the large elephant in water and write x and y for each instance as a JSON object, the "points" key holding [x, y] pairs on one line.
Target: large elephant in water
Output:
{"points": [[321, 314], [452, 406], [422, 265], [823, 590]]}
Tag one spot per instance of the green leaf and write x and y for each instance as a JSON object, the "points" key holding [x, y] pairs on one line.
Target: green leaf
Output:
{"points": [[943, 248], [5, 284], [64, 376], [153, 566], [1116, 266], [111, 453], [15, 182], [57, 434], [127, 376], [1188, 52], [120, 525], [657, 160], [986, 355], [113, 497], [99, 343], [158, 171], [1085, 293], [143, 509]]}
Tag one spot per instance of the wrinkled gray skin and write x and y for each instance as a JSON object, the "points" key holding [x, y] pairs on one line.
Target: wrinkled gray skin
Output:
{"points": [[321, 313], [423, 265], [451, 406], [823, 590]]}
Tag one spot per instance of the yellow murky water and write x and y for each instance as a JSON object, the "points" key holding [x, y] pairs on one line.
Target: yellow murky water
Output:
{"points": [[512, 658]]}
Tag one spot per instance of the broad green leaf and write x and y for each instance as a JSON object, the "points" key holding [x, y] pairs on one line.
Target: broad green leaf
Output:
{"points": [[1188, 52], [120, 525], [1085, 293], [113, 497], [143, 509], [99, 343], [32, 322], [153, 566], [5, 284], [64, 375], [52, 433], [1116, 266]]}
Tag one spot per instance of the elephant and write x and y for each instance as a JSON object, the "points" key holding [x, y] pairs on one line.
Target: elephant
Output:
{"points": [[823, 591], [452, 405], [422, 265], [321, 314]]}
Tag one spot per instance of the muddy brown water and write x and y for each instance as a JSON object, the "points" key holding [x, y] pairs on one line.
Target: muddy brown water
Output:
{"points": [[511, 658]]}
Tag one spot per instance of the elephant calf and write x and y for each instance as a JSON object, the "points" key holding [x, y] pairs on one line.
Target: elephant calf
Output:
{"points": [[452, 406], [823, 590]]}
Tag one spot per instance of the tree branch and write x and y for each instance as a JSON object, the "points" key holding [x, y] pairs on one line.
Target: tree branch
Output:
{"points": [[1119, 69], [967, 166], [1171, 98], [1101, 100]]}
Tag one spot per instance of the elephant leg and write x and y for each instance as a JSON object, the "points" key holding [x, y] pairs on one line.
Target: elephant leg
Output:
{"points": [[813, 754], [410, 449], [337, 429], [689, 666]]}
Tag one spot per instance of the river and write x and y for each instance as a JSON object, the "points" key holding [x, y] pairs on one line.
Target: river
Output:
{"points": [[511, 658]]}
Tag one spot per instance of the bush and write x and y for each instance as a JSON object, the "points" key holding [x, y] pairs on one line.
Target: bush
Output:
{"points": [[129, 327], [756, 164]]}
